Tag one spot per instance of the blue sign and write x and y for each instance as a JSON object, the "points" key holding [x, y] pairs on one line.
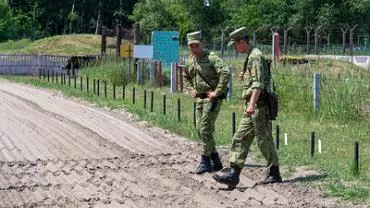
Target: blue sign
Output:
{"points": [[166, 46]]}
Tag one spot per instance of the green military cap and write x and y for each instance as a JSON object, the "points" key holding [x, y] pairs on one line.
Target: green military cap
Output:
{"points": [[194, 37], [238, 34]]}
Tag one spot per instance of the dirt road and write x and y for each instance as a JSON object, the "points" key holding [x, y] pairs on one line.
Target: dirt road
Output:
{"points": [[62, 152]]}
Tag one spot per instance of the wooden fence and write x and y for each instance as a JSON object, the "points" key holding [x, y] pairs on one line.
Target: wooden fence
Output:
{"points": [[11, 64]]}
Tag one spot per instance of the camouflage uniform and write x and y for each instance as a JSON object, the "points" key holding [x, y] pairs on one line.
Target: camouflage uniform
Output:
{"points": [[258, 125], [256, 76], [212, 68]]}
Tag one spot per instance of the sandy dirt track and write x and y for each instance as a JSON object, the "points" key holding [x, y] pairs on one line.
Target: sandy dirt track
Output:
{"points": [[61, 152]]}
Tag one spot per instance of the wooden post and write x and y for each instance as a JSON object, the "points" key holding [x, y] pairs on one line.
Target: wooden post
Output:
{"points": [[351, 40], [316, 92], [344, 31], [308, 31], [119, 40], [103, 41]]}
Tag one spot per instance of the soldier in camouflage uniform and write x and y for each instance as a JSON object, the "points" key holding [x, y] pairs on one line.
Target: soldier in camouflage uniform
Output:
{"points": [[256, 78], [206, 79]]}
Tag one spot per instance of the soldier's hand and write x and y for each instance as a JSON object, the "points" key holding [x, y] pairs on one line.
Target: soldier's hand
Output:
{"points": [[241, 76], [211, 95], [193, 93], [250, 110]]}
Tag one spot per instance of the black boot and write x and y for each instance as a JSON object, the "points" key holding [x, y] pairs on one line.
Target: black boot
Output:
{"points": [[230, 178], [216, 162], [273, 176], [203, 166]]}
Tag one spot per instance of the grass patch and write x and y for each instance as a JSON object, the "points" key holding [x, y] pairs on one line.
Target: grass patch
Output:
{"points": [[342, 119], [71, 45], [12, 46]]}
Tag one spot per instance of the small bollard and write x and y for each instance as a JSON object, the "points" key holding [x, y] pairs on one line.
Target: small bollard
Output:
{"points": [[144, 99], [277, 137], [356, 159], [164, 104], [151, 101], [178, 109], [194, 114], [94, 86], [233, 127], [98, 87], [114, 91], [123, 92], [133, 95], [105, 89], [312, 144], [87, 85]]}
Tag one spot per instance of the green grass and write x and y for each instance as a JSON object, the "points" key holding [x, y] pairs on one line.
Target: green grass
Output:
{"points": [[342, 119], [12, 46], [71, 45]]}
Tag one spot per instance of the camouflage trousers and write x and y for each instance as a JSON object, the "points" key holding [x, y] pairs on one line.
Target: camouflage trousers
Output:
{"points": [[206, 115], [258, 125]]}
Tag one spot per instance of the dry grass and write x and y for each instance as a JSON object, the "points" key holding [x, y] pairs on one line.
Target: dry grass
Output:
{"points": [[81, 44]]}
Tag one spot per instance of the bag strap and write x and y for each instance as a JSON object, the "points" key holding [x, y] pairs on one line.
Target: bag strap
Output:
{"points": [[205, 80]]}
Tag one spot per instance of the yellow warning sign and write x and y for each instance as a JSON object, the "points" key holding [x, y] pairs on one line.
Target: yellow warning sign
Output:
{"points": [[127, 50]]}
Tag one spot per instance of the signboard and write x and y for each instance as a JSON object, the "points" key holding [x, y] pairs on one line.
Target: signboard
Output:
{"points": [[166, 46], [143, 51], [127, 50]]}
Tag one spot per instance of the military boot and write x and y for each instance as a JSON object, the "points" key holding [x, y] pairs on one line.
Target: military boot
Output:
{"points": [[272, 176], [203, 166], [230, 178], [216, 162]]}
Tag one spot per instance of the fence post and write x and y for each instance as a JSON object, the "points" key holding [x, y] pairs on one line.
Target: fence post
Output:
{"points": [[151, 101], [94, 86], [178, 109], [194, 114], [230, 85], [81, 81], [160, 75], [123, 92], [105, 89], [181, 69], [139, 70], [133, 95], [312, 149], [164, 104], [173, 79], [144, 99], [233, 123], [87, 85], [316, 92], [152, 73], [75, 82], [356, 159], [277, 137], [114, 91], [98, 88], [48, 76]]}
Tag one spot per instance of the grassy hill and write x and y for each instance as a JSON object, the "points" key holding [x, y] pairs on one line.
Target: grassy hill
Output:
{"points": [[81, 44]]}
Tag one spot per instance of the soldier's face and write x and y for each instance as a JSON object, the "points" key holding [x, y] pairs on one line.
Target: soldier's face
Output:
{"points": [[196, 49], [242, 46]]}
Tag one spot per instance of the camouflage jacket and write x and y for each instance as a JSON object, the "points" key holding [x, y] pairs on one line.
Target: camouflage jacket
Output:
{"points": [[256, 73], [210, 67]]}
